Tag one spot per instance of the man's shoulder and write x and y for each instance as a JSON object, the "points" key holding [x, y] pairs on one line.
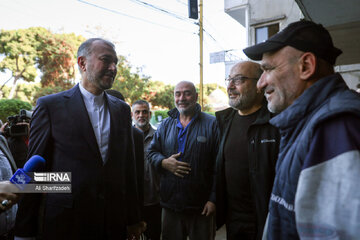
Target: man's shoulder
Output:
{"points": [[225, 115], [207, 118], [117, 103], [57, 96]]}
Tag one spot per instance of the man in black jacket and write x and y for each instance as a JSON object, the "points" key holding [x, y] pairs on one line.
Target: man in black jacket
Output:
{"points": [[247, 155]]}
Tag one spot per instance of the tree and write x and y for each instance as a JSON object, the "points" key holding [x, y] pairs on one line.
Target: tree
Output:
{"points": [[132, 85], [161, 95], [57, 59], [20, 50], [11, 107], [26, 50]]}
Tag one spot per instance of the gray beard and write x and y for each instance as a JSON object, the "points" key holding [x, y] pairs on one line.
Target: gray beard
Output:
{"points": [[243, 102], [141, 125]]}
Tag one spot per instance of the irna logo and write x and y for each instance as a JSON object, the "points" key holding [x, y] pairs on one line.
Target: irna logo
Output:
{"points": [[52, 177]]}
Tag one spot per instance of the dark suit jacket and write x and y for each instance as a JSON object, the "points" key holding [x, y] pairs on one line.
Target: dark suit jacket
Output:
{"points": [[104, 197], [139, 156]]}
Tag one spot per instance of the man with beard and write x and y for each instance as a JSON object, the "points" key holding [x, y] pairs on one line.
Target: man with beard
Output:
{"points": [[247, 155], [78, 131], [151, 211], [183, 151]]}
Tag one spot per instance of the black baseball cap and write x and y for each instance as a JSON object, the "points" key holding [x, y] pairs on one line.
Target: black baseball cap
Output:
{"points": [[303, 35]]}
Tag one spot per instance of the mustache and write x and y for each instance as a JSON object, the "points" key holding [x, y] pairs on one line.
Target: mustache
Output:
{"points": [[183, 102], [233, 92], [110, 73]]}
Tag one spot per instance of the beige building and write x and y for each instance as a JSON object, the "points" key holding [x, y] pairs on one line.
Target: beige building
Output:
{"points": [[264, 18]]}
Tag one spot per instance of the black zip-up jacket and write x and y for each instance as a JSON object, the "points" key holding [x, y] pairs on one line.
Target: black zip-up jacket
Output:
{"points": [[188, 194], [263, 147]]}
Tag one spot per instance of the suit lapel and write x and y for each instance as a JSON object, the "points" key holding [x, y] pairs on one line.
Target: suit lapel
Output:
{"points": [[78, 111], [117, 125]]}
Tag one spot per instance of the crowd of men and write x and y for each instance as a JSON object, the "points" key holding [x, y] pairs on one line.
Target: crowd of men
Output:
{"points": [[281, 163]]}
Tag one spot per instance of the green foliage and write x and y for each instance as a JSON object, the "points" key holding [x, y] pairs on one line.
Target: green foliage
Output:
{"points": [[27, 50], [161, 95], [44, 91], [132, 85], [10, 107], [211, 113], [160, 115], [57, 59]]}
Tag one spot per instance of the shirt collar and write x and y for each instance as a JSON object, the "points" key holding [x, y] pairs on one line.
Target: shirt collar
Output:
{"points": [[91, 98]]}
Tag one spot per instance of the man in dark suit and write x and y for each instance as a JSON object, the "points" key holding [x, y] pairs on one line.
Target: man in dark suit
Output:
{"points": [[78, 131]]}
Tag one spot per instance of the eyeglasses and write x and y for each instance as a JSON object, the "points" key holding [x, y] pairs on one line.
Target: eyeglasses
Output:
{"points": [[237, 80]]}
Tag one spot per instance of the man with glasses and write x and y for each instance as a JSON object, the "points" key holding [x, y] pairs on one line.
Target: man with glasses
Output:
{"points": [[247, 155]]}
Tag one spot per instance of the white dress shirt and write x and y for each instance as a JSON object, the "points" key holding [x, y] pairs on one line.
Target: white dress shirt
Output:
{"points": [[99, 117]]}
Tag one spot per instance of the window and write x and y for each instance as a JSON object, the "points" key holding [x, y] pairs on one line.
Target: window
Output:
{"points": [[263, 33]]}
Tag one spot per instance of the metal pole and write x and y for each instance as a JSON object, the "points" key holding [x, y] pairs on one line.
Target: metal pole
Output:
{"points": [[201, 54]]}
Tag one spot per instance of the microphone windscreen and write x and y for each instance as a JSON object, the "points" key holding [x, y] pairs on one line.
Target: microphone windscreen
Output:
{"points": [[35, 163]]}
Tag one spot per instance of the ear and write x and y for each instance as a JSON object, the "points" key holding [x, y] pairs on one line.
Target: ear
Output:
{"points": [[196, 96], [307, 66], [82, 63]]}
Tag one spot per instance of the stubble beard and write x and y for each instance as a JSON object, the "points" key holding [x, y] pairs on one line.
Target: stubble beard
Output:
{"points": [[243, 101], [186, 111], [96, 80]]}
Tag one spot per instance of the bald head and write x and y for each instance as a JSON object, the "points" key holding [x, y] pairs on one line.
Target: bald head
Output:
{"points": [[188, 85], [185, 97], [252, 69]]}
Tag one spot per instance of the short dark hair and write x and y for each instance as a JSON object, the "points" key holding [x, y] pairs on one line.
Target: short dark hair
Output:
{"points": [[85, 48], [141, 102]]}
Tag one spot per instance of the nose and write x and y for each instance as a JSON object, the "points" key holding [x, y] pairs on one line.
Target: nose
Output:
{"points": [[182, 97], [261, 84], [231, 85], [112, 67]]}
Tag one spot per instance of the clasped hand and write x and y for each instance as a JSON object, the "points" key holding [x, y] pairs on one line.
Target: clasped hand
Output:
{"points": [[178, 168]]}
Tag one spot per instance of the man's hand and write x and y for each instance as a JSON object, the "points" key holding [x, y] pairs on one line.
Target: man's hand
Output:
{"points": [[178, 168], [7, 192], [209, 209], [2, 128], [135, 231]]}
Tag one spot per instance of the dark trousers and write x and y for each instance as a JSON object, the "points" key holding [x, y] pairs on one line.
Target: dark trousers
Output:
{"points": [[234, 231], [179, 226], [152, 217], [7, 236]]}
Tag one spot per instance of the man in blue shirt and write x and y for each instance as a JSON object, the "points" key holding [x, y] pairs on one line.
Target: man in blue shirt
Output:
{"points": [[183, 151]]}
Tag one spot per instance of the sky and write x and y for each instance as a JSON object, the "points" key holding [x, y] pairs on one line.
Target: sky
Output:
{"points": [[155, 35]]}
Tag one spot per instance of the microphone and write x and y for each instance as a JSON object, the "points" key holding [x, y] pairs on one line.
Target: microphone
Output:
{"points": [[35, 163]]}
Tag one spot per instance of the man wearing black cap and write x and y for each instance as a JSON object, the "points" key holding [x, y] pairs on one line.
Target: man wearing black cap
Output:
{"points": [[315, 193]]}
